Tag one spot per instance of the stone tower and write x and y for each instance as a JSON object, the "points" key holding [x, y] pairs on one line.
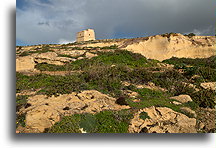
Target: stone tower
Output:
{"points": [[85, 35]]}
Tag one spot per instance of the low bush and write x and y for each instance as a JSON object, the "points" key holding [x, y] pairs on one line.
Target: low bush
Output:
{"points": [[51, 85], [20, 120], [204, 62], [204, 98], [51, 67]]}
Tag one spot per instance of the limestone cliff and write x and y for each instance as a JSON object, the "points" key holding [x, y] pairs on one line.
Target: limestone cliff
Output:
{"points": [[161, 47], [164, 47]]}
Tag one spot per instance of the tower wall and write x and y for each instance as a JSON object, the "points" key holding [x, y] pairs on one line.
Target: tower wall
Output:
{"points": [[85, 35]]}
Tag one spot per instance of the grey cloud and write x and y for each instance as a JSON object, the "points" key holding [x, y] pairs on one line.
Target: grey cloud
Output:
{"points": [[112, 18], [43, 23]]}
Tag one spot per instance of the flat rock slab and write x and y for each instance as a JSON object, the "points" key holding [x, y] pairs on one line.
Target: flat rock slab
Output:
{"points": [[44, 111], [162, 120]]}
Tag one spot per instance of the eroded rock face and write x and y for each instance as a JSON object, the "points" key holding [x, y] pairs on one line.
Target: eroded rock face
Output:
{"points": [[51, 58], [25, 63], [54, 62], [162, 120], [177, 45], [44, 111]]}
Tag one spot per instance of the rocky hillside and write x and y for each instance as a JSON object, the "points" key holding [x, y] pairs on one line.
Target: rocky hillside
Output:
{"points": [[99, 87]]}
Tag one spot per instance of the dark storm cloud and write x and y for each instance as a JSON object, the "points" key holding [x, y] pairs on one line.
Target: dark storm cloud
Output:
{"points": [[59, 20], [147, 17]]}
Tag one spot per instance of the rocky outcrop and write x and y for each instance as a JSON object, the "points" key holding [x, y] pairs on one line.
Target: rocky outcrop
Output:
{"points": [[208, 85], [51, 58], [25, 63], [54, 62], [43, 111], [161, 120]]}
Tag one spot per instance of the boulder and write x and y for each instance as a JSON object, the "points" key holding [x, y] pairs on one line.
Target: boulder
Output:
{"points": [[25, 63], [162, 120], [182, 98]]}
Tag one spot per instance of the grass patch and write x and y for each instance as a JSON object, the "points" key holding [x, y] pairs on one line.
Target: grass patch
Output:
{"points": [[150, 98], [51, 85], [103, 122]]}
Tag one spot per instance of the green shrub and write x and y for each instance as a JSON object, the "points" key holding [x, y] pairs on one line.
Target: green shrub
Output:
{"points": [[204, 98], [51, 85], [178, 88], [207, 73], [25, 53], [50, 67], [168, 78], [204, 62], [21, 101], [20, 120], [139, 75], [144, 115]]}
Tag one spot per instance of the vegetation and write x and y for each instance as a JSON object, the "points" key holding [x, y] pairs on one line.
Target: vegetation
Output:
{"points": [[103, 122], [190, 34], [21, 101], [106, 72], [144, 115]]}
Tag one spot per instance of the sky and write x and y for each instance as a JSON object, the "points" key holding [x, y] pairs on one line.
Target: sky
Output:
{"points": [[58, 21]]}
